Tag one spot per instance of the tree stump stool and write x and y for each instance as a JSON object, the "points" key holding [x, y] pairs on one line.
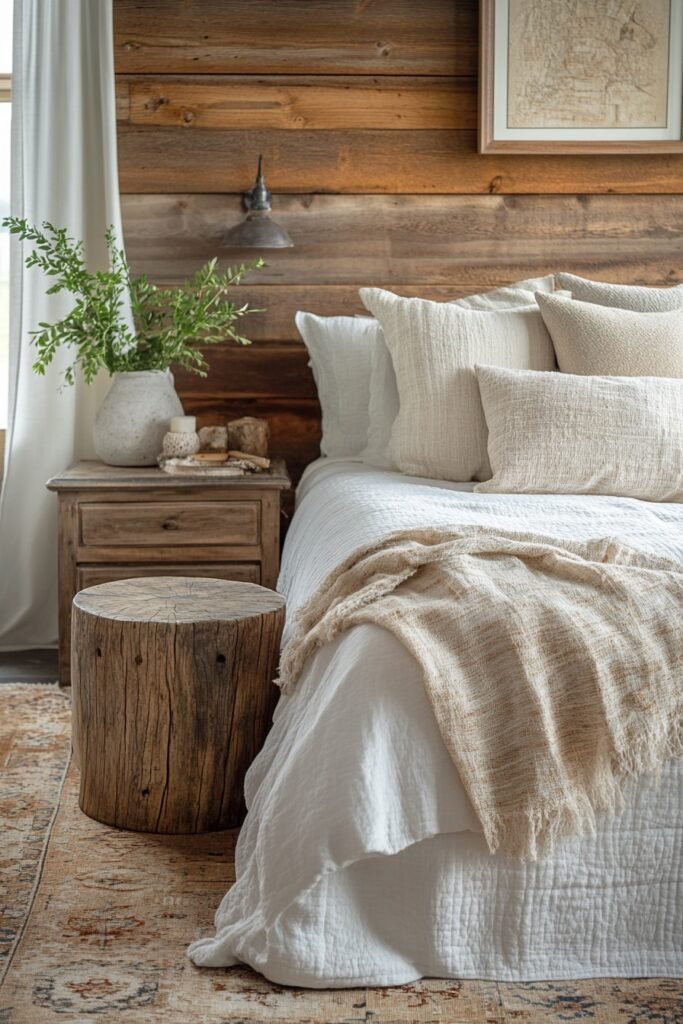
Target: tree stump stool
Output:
{"points": [[172, 698]]}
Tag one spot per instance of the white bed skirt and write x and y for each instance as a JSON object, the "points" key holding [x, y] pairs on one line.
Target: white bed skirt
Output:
{"points": [[608, 905]]}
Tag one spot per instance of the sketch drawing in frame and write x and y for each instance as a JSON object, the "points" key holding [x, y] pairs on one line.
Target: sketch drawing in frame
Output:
{"points": [[581, 76]]}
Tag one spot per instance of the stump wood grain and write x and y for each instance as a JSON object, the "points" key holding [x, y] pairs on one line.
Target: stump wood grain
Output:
{"points": [[172, 698]]}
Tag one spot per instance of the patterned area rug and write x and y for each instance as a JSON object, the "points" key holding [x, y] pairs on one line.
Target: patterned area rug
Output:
{"points": [[95, 922]]}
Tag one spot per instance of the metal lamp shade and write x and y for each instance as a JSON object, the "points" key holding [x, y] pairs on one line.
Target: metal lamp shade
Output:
{"points": [[257, 231]]}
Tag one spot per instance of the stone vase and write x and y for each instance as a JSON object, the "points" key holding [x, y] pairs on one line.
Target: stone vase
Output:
{"points": [[132, 420]]}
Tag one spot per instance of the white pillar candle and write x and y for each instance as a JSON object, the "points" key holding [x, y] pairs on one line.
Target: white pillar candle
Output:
{"points": [[184, 425]]}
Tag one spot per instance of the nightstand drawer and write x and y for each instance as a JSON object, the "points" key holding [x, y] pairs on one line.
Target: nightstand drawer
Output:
{"points": [[170, 523], [242, 572]]}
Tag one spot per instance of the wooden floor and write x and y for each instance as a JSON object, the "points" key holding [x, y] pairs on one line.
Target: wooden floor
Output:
{"points": [[28, 666]]}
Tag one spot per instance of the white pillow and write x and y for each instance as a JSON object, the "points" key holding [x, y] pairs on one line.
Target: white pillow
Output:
{"points": [[440, 430], [622, 296], [340, 350], [597, 340], [384, 400], [557, 433]]}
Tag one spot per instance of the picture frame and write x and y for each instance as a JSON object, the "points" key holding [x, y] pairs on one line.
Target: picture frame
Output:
{"points": [[609, 82]]}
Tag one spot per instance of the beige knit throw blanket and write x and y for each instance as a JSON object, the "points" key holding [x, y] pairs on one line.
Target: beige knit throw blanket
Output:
{"points": [[555, 669]]}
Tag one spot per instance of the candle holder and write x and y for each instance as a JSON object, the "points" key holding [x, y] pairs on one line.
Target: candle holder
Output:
{"points": [[182, 439]]}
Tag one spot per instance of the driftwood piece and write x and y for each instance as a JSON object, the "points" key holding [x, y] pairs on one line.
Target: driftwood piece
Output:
{"points": [[248, 435], [213, 439], [172, 698], [253, 460]]}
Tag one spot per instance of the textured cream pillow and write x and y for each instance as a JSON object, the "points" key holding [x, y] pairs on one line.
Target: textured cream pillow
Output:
{"points": [[556, 433], [622, 296], [599, 341], [384, 400], [440, 429]]}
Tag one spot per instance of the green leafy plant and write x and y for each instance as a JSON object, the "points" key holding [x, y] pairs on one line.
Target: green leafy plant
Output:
{"points": [[170, 323]]}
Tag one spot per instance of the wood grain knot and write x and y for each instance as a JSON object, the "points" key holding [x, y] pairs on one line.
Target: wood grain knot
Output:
{"points": [[154, 104]]}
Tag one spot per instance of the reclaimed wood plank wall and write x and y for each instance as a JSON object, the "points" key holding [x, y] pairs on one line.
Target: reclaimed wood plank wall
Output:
{"points": [[365, 112]]}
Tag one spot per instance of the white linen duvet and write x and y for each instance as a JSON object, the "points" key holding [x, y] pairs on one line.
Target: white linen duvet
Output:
{"points": [[361, 861]]}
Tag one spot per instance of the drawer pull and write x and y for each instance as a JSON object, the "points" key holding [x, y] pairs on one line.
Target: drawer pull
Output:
{"points": [[169, 524]]}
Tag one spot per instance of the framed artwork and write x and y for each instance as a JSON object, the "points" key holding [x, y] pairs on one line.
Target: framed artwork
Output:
{"points": [[581, 76]]}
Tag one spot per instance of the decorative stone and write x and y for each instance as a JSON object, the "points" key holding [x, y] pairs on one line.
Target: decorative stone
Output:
{"points": [[249, 435], [213, 439], [132, 420], [179, 444]]}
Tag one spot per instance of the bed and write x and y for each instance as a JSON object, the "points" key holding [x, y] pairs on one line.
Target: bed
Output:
{"points": [[361, 861]]}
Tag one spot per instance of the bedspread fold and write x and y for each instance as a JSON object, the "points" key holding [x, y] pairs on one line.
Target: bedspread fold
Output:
{"points": [[554, 668]]}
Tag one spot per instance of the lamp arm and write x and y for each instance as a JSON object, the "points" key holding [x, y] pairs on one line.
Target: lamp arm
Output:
{"points": [[258, 197]]}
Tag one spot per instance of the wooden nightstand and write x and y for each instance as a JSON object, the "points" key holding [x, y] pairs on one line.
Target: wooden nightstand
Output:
{"points": [[117, 523]]}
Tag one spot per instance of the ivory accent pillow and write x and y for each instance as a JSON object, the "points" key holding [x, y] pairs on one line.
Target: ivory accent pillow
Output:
{"points": [[384, 400], [440, 430], [595, 340], [622, 296], [556, 433]]}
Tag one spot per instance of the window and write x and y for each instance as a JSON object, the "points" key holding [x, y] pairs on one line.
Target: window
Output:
{"points": [[5, 116]]}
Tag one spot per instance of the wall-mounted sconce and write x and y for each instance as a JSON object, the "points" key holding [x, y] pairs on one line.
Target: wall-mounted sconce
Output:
{"points": [[257, 230]]}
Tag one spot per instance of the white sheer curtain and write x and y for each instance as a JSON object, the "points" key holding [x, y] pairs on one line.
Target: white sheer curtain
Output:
{"points": [[64, 171]]}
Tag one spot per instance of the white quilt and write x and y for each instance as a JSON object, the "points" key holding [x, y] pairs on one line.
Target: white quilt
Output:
{"points": [[361, 860]]}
